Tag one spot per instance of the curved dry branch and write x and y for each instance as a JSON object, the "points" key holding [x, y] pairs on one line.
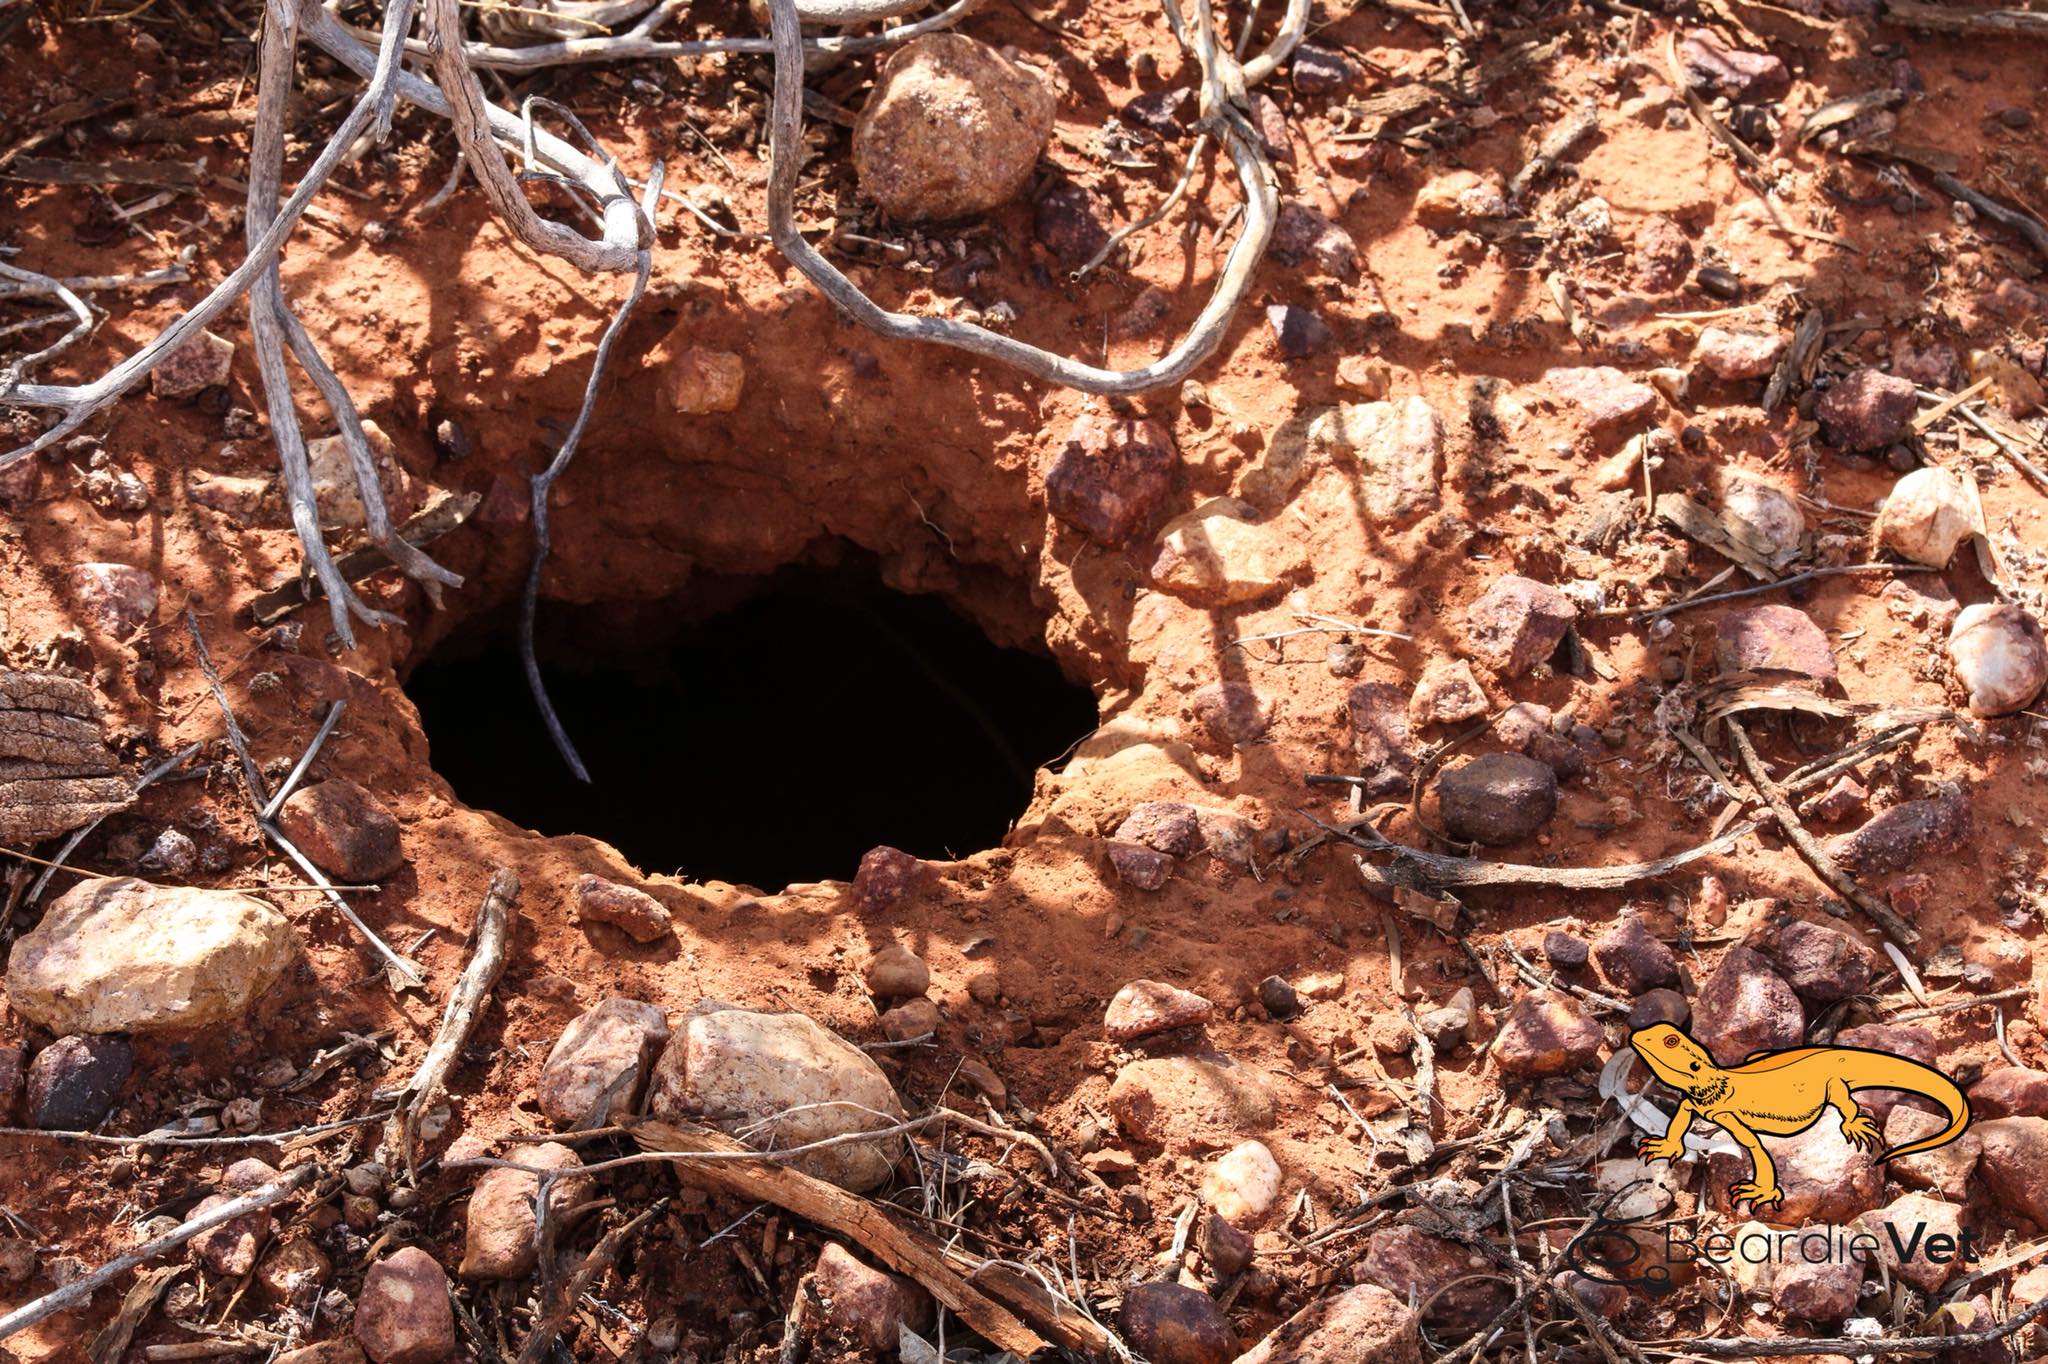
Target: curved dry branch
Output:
{"points": [[29, 282], [1222, 115]]}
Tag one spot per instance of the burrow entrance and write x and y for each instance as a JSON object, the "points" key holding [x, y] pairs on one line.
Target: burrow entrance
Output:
{"points": [[761, 730]]}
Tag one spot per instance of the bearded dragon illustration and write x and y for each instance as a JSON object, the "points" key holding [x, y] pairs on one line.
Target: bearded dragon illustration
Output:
{"points": [[1778, 1093]]}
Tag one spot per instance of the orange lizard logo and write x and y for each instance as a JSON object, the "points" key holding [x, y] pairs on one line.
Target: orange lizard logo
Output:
{"points": [[1778, 1093]]}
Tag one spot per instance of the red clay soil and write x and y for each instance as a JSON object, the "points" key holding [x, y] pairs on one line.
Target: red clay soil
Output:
{"points": [[935, 463]]}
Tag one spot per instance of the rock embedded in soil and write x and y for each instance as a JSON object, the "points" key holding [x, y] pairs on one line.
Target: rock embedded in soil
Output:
{"points": [[1298, 331], [1112, 476], [1565, 951], [340, 496], [1144, 868], [1546, 1032], [910, 1019], [1866, 409], [1735, 353], [1227, 1249], [498, 1236], [598, 1068], [1243, 1185], [1419, 1267], [1663, 255], [887, 877], [115, 599], [231, 1249], [1301, 234], [629, 909], [951, 129], [696, 381], [1219, 554], [1170, 1323], [1396, 448], [1745, 1007], [2000, 657], [2011, 1092], [1446, 694], [896, 972], [865, 1307], [293, 1273], [1821, 964], [1633, 959], [1658, 1006], [1773, 638], [1145, 1007], [403, 1314], [1844, 799], [1187, 1103], [1318, 70], [1456, 197], [74, 1082], [1925, 517], [1768, 523], [1823, 1291], [1945, 1169], [2013, 1153], [201, 363], [1278, 998], [740, 1069], [1713, 68], [1361, 1325], [344, 830], [1164, 826], [1516, 624], [1496, 799], [1604, 395], [1231, 713], [1908, 833], [1068, 222], [125, 956], [1932, 1218], [1381, 738]]}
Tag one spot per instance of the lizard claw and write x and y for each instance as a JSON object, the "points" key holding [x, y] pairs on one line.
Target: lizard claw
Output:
{"points": [[1862, 1131], [1758, 1196], [1659, 1148]]}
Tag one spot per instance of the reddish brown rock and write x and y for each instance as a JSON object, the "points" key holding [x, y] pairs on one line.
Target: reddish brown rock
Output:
{"points": [[1712, 68], [498, 1238], [887, 877], [951, 129], [201, 363], [1068, 222], [1362, 1325], [1867, 409], [1145, 868], [1164, 826], [632, 911], [1145, 1007], [1446, 694], [2014, 1152], [73, 1082], [403, 1315], [1604, 396], [1822, 1291], [1231, 713], [1546, 1033], [1908, 833], [1169, 1323], [1946, 1169], [293, 1273], [1773, 638], [896, 972], [1565, 951], [231, 1248], [1301, 234], [598, 1068], [1820, 963], [1733, 353], [1418, 1267], [2007, 1092], [1845, 799], [1381, 738], [1663, 256], [911, 1019], [865, 1307], [344, 830], [1497, 799], [1633, 959], [1112, 477], [696, 381], [1517, 624], [1746, 1007], [1928, 1228]]}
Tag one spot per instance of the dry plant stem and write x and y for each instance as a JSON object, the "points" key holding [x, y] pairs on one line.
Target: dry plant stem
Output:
{"points": [[1825, 867], [2026, 224], [639, 44], [1944, 1347], [547, 1328], [293, 1134], [77, 1291], [544, 482], [466, 1001], [436, 520], [298, 772], [1642, 616], [1222, 115], [258, 793], [1975, 23], [78, 835], [405, 973], [30, 282], [1420, 870], [1124, 233], [78, 402], [749, 1175]]}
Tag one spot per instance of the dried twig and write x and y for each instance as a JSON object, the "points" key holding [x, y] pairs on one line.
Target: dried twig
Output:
{"points": [[1825, 867], [561, 1304], [78, 835], [298, 772], [82, 1288], [1420, 870], [489, 941], [1562, 137]]}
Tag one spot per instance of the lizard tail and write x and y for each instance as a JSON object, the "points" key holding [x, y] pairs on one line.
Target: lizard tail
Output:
{"points": [[1896, 1072]]}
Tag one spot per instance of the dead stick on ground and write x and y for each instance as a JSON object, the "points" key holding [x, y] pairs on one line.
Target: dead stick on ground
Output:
{"points": [[547, 1329], [1422, 870], [486, 961], [1825, 867], [78, 1290], [761, 1180]]}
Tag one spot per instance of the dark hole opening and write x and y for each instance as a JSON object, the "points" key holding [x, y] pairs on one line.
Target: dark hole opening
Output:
{"points": [[764, 731]]}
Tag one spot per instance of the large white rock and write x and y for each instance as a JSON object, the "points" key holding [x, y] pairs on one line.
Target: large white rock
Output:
{"points": [[2000, 657], [1398, 449], [128, 956], [1927, 514], [780, 1080]]}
